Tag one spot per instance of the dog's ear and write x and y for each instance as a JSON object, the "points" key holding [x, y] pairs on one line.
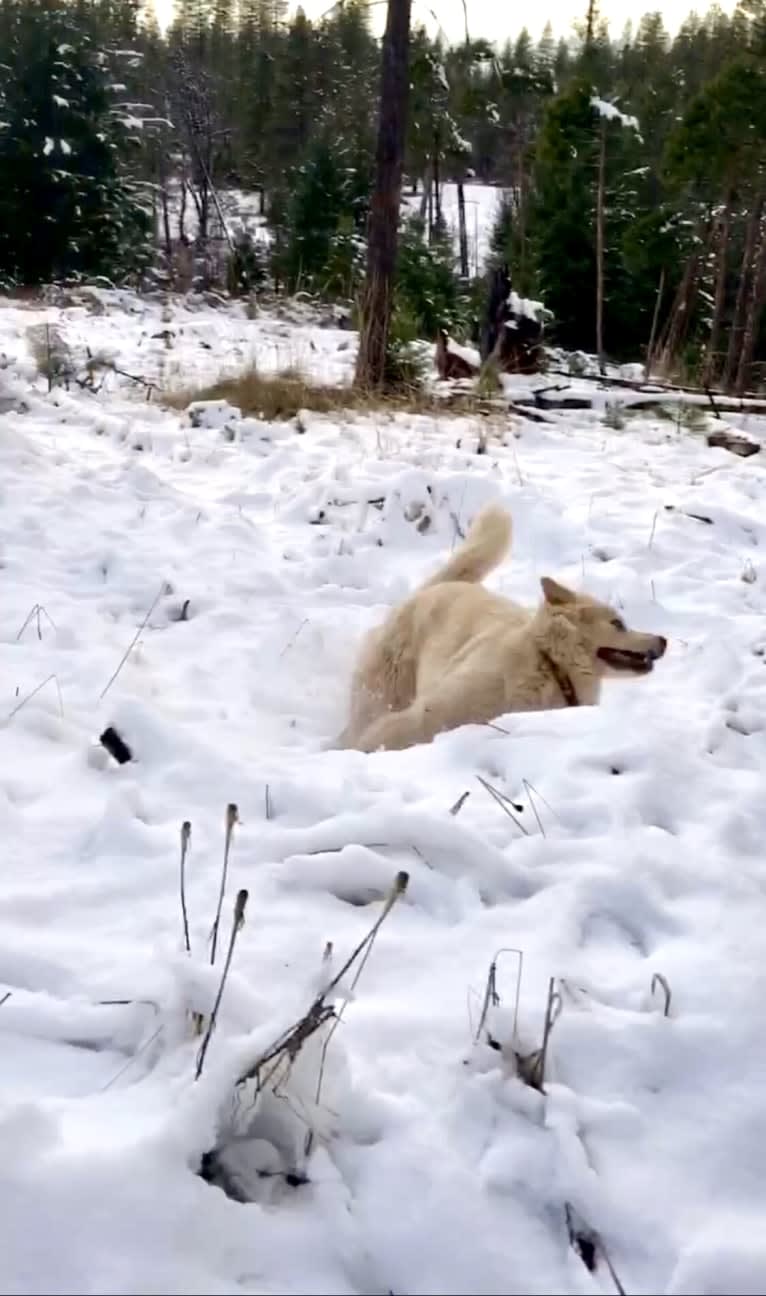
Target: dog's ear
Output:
{"points": [[556, 594]]}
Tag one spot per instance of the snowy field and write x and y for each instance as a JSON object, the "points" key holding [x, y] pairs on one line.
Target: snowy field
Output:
{"points": [[637, 850]]}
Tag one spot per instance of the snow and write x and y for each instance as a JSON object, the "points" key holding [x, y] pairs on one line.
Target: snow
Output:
{"points": [[527, 308], [481, 204], [612, 113], [434, 1169], [467, 353]]}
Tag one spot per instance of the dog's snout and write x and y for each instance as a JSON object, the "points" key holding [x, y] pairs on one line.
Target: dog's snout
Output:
{"points": [[662, 644]]}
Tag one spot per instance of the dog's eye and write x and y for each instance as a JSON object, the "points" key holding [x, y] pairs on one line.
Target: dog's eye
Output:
{"points": [[618, 623]]}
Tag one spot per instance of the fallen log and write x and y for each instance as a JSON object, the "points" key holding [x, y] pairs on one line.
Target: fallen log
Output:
{"points": [[735, 444]]}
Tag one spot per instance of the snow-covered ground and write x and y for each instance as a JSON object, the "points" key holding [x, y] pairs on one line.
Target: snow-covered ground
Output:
{"points": [[434, 1168]]}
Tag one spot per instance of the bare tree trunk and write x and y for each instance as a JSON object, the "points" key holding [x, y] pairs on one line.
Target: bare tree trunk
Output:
{"points": [[462, 231], [600, 221], [710, 366], [655, 322], [437, 189], [182, 214], [164, 206], [740, 305], [753, 317], [424, 200], [383, 227], [678, 322]]}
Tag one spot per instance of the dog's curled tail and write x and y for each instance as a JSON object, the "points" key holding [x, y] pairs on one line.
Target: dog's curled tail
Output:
{"points": [[485, 546]]}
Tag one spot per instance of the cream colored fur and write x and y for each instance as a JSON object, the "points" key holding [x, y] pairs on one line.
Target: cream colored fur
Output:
{"points": [[454, 653]]}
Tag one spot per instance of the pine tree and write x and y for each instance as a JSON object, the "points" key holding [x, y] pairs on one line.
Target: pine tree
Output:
{"points": [[65, 207]]}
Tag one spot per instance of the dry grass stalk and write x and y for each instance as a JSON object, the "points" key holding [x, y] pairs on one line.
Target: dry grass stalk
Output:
{"points": [[160, 592], [143, 1049], [530, 789], [20, 705], [238, 921], [492, 998], [504, 802], [588, 1244], [289, 1044], [399, 887], [185, 839], [458, 806], [232, 818], [531, 1066], [36, 611], [659, 980]]}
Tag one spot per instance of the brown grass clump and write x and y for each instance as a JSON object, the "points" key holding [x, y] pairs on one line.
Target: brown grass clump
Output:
{"points": [[282, 395]]}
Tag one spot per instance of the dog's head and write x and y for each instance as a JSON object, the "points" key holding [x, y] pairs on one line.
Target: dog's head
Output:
{"points": [[596, 630]]}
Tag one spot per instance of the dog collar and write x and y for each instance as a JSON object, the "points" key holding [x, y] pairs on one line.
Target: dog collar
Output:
{"points": [[568, 690]]}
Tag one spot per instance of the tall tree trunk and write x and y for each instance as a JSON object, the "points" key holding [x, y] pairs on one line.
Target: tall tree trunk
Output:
{"points": [[383, 227], [162, 180], [655, 322], [437, 184], [677, 325], [521, 216], [462, 231], [740, 305], [424, 199], [600, 221], [710, 366], [753, 316], [182, 214]]}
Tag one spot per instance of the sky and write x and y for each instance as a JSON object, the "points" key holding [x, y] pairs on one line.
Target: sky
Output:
{"points": [[498, 20]]}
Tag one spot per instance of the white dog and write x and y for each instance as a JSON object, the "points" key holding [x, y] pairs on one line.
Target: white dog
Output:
{"points": [[456, 654]]}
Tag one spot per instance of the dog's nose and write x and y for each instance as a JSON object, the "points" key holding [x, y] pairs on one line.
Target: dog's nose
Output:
{"points": [[662, 644]]}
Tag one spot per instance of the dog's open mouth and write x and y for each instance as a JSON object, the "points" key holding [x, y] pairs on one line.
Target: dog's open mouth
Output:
{"points": [[640, 663]]}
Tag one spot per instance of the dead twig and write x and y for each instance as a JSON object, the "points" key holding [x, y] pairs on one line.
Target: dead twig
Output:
{"points": [[238, 921]]}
